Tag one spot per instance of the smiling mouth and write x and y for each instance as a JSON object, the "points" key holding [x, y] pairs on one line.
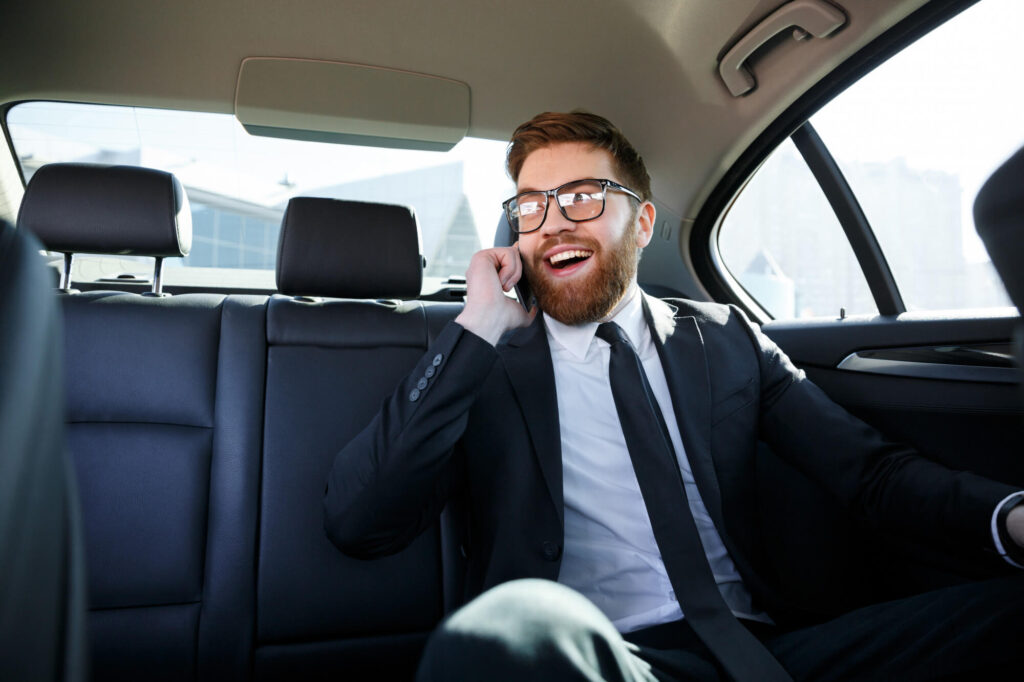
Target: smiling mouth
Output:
{"points": [[564, 259]]}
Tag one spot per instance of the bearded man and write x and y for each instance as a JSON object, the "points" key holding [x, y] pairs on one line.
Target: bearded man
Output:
{"points": [[603, 454]]}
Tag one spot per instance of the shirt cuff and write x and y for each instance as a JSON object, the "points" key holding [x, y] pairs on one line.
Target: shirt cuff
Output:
{"points": [[1004, 545]]}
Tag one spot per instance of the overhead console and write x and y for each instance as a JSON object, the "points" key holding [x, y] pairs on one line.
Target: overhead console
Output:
{"points": [[322, 101]]}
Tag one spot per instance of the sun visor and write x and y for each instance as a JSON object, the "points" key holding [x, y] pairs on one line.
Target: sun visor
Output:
{"points": [[306, 99]]}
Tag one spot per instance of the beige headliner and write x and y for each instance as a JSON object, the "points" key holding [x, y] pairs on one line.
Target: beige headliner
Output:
{"points": [[649, 65]]}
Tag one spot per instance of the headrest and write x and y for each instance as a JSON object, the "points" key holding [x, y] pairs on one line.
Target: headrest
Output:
{"points": [[503, 235], [348, 249], [999, 219], [90, 208]]}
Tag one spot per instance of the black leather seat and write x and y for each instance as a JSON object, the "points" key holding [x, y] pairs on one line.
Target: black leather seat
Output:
{"points": [[164, 405], [202, 428], [330, 363], [42, 587], [999, 219]]}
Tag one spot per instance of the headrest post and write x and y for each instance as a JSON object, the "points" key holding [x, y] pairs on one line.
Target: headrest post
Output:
{"points": [[65, 275], [158, 275]]}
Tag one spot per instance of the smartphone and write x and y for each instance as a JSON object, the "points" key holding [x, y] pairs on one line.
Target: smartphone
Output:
{"points": [[523, 291]]}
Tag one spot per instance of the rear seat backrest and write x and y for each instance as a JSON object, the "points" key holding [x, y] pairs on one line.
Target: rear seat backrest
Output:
{"points": [[330, 364], [164, 401], [172, 400]]}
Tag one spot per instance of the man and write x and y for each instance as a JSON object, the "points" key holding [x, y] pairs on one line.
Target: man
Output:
{"points": [[578, 452]]}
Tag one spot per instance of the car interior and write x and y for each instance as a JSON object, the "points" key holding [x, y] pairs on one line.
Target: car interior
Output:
{"points": [[201, 354]]}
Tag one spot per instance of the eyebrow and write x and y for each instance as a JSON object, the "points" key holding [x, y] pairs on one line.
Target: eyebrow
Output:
{"points": [[520, 190]]}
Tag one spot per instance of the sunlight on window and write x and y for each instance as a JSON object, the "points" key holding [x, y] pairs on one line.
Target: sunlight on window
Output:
{"points": [[239, 185]]}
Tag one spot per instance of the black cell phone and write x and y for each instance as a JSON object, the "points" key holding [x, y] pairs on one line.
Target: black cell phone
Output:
{"points": [[523, 291]]}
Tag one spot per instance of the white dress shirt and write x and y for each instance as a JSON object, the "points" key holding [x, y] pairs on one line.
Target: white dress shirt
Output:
{"points": [[610, 554]]}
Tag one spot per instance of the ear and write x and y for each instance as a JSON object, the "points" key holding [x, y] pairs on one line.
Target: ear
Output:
{"points": [[645, 218]]}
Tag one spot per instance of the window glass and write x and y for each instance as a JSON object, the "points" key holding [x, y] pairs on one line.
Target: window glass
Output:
{"points": [[915, 138], [238, 185], [784, 245]]}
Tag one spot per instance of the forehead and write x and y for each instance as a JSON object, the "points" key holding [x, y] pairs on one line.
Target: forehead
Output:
{"points": [[564, 162]]}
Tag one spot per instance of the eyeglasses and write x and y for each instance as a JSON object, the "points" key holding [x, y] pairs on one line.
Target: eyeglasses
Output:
{"points": [[578, 201]]}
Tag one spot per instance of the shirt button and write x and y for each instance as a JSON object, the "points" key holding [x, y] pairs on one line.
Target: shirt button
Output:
{"points": [[421, 384], [429, 372], [414, 395], [550, 550], [437, 359]]}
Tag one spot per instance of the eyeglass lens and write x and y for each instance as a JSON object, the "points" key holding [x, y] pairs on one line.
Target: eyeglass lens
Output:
{"points": [[578, 201]]}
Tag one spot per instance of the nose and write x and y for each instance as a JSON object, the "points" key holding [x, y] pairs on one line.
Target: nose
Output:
{"points": [[555, 222]]}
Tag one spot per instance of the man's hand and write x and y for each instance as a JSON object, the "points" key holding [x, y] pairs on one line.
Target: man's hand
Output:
{"points": [[489, 313], [1015, 525]]}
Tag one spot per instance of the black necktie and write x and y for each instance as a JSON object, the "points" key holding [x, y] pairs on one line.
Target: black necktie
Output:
{"points": [[661, 485]]}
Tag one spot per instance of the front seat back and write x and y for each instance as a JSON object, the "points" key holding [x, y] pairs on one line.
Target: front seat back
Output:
{"points": [[42, 581], [999, 219]]}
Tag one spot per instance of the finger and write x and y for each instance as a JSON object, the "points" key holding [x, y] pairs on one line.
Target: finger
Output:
{"points": [[487, 260], [510, 267]]}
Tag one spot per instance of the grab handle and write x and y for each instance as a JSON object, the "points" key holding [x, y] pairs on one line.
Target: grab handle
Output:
{"points": [[810, 17]]}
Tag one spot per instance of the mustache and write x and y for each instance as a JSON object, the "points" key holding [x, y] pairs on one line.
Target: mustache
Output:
{"points": [[552, 242]]}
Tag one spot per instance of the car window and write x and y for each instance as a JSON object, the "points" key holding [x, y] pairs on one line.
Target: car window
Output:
{"points": [[239, 185], [915, 139], [786, 248]]}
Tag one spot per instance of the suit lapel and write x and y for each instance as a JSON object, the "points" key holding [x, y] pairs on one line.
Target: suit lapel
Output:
{"points": [[527, 361], [681, 350]]}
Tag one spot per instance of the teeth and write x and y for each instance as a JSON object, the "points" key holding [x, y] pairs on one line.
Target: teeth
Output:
{"points": [[566, 255]]}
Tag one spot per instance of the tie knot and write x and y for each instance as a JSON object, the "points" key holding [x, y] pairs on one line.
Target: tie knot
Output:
{"points": [[612, 333]]}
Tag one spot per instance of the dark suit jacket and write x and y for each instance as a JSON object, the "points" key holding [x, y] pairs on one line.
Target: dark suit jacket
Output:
{"points": [[484, 425]]}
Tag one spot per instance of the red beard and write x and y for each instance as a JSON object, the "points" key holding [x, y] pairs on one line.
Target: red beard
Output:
{"points": [[589, 298]]}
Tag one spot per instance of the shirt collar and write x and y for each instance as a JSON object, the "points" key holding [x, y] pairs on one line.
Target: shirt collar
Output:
{"points": [[577, 338]]}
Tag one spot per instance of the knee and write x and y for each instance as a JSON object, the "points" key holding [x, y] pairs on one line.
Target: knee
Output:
{"points": [[518, 628], [529, 607]]}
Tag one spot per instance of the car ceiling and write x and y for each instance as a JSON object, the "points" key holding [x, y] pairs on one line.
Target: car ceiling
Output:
{"points": [[650, 66]]}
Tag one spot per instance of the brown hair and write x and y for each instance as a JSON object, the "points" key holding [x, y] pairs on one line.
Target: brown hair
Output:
{"points": [[579, 126]]}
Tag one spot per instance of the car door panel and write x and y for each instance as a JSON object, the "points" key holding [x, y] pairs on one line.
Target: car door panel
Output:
{"points": [[962, 423]]}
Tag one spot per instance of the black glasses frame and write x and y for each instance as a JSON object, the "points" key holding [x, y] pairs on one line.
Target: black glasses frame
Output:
{"points": [[549, 194]]}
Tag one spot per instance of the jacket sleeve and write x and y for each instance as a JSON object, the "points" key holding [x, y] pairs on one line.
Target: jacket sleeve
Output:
{"points": [[393, 479], [888, 484]]}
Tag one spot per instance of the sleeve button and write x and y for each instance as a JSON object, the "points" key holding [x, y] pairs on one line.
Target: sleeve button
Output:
{"points": [[414, 395], [437, 359], [422, 383], [429, 371]]}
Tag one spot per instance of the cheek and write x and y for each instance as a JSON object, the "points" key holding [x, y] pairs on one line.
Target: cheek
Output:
{"points": [[527, 247]]}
